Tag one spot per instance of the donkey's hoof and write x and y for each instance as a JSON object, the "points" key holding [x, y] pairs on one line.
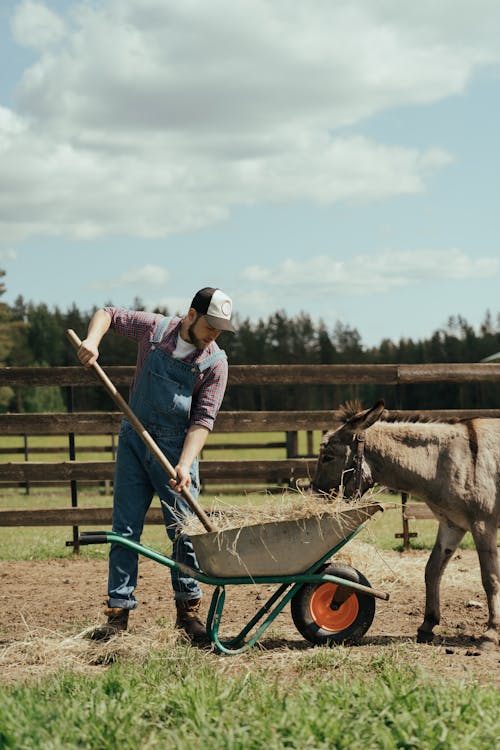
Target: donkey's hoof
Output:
{"points": [[425, 636]]}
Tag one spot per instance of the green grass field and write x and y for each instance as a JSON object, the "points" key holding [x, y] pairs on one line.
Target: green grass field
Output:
{"points": [[84, 444], [184, 699]]}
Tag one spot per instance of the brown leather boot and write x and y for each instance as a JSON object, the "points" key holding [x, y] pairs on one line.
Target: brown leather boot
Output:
{"points": [[189, 621], [117, 622]]}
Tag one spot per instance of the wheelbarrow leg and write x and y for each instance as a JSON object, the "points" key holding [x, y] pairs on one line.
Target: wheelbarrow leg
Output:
{"points": [[278, 600]]}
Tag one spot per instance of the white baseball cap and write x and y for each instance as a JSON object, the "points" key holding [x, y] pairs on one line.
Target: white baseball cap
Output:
{"points": [[215, 306]]}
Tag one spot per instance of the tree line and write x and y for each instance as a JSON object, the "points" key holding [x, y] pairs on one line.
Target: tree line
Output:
{"points": [[34, 335]]}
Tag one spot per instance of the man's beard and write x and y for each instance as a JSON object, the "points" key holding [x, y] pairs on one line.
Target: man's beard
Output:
{"points": [[193, 338]]}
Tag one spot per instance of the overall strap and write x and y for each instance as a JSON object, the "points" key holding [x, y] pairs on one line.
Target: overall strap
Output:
{"points": [[209, 361], [160, 329]]}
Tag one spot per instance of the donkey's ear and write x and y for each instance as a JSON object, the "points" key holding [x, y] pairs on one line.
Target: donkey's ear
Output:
{"points": [[364, 419], [374, 413]]}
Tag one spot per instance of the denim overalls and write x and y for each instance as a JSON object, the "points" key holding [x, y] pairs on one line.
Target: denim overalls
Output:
{"points": [[162, 402]]}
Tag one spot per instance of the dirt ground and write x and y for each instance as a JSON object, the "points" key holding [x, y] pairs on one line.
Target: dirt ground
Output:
{"points": [[54, 601]]}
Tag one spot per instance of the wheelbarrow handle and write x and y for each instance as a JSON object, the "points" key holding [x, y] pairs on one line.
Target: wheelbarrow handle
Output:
{"points": [[143, 433], [93, 537]]}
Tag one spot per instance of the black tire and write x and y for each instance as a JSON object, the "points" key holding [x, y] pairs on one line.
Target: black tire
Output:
{"points": [[323, 626]]}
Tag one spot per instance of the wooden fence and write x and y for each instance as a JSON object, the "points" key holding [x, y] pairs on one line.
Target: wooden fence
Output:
{"points": [[247, 472]]}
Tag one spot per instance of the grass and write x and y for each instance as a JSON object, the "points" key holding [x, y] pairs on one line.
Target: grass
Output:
{"points": [[83, 447], [85, 443], [182, 698]]}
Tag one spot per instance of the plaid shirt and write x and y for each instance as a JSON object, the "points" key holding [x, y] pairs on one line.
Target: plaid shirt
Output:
{"points": [[208, 390]]}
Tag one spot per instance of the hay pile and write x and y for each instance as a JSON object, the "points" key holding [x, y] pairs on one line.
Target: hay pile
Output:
{"points": [[41, 651], [240, 530], [291, 506]]}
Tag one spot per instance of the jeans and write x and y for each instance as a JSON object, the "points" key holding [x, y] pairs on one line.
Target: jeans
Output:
{"points": [[138, 476]]}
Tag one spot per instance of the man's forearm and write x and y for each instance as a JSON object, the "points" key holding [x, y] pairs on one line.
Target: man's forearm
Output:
{"points": [[98, 326], [195, 440]]}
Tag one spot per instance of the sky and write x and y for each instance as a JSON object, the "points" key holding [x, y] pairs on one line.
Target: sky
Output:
{"points": [[335, 158]]}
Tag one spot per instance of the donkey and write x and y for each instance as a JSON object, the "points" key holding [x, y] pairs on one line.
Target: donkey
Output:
{"points": [[453, 466]]}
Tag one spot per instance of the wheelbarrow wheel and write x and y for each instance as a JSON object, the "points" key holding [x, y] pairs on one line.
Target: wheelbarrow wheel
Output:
{"points": [[327, 614]]}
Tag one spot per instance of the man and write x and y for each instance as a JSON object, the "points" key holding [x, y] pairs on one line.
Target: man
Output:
{"points": [[178, 387]]}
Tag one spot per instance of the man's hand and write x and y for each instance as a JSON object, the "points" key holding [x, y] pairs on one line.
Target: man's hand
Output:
{"points": [[88, 352], [183, 481], [194, 442], [98, 326]]}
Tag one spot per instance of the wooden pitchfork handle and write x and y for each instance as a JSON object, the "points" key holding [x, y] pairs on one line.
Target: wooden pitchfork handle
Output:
{"points": [[143, 433]]}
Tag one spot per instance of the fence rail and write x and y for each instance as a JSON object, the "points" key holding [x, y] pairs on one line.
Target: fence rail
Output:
{"points": [[105, 423], [275, 374], [271, 471], [266, 472]]}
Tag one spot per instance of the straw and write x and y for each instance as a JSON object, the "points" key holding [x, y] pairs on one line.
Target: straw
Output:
{"points": [[291, 506]]}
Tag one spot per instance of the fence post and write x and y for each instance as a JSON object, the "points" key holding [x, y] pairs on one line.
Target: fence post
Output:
{"points": [[26, 458], [292, 450], [72, 456], [407, 534], [292, 444]]}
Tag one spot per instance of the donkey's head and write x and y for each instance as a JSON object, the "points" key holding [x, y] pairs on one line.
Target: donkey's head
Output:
{"points": [[341, 465]]}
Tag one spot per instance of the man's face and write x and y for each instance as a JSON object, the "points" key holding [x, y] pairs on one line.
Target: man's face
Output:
{"points": [[200, 333]]}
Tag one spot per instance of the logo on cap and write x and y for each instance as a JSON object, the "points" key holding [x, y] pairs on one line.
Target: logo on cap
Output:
{"points": [[226, 308]]}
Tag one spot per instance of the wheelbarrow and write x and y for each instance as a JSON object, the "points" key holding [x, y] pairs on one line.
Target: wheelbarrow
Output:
{"points": [[331, 603]]}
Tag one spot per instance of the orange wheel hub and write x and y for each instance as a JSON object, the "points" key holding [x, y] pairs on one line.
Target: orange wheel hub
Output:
{"points": [[327, 618]]}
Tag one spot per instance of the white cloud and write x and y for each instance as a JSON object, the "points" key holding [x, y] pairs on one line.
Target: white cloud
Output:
{"points": [[354, 169], [7, 255], [254, 65], [370, 274], [145, 277], [35, 25], [11, 128], [151, 118]]}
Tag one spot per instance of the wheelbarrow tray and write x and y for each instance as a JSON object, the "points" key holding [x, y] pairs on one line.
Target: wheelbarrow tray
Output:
{"points": [[277, 548]]}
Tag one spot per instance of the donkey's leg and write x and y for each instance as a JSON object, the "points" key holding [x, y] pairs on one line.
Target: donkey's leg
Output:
{"points": [[447, 540], [485, 539]]}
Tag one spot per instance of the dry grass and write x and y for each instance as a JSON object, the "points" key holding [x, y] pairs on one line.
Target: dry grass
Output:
{"points": [[292, 506], [41, 651], [283, 537]]}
